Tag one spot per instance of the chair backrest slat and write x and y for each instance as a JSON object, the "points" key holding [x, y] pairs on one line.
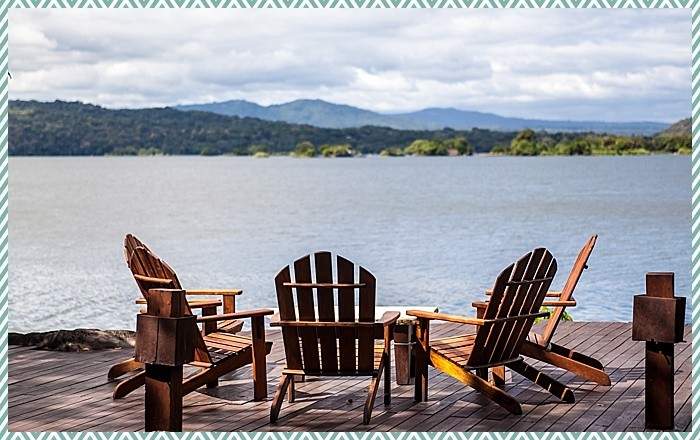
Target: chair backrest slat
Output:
{"points": [[338, 350], [131, 243], [567, 291], [307, 312], [326, 311], [519, 291], [365, 348], [285, 302], [346, 313]]}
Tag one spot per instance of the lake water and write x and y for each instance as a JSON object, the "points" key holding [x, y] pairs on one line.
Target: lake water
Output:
{"points": [[435, 231]]}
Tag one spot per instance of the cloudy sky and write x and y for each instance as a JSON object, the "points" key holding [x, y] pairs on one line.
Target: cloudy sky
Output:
{"points": [[617, 65]]}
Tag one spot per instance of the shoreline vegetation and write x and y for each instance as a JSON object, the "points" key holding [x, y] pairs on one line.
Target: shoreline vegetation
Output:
{"points": [[77, 129], [526, 143]]}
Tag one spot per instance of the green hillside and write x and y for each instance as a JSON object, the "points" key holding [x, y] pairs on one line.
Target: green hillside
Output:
{"points": [[72, 128], [680, 128]]}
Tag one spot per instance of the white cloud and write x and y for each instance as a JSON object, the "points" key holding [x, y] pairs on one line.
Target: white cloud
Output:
{"points": [[572, 64]]}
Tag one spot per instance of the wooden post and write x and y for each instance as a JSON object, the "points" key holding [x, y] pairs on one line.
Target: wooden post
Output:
{"points": [[658, 391], [163, 398], [164, 336], [658, 319]]}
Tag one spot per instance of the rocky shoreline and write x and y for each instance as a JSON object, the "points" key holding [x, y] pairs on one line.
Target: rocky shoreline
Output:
{"points": [[81, 339]]}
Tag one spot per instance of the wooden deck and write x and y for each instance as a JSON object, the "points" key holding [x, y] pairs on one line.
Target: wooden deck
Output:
{"points": [[52, 391]]}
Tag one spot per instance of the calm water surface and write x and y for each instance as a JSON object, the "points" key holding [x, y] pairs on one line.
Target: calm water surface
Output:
{"points": [[433, 230]]}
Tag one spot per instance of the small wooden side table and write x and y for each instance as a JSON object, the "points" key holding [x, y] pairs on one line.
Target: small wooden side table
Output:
{"points": [[404, 339]]}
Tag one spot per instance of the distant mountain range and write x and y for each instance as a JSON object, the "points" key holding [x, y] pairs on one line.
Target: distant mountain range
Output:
{"points": [[328, 115]]}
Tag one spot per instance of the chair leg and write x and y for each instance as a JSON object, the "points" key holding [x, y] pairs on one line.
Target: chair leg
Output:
{"points": [[387, 378], [486, 388], [491, 391], [259, 354], [124, 367], [421, 379], [575, 355], [292, 389], [126, 386], [499, 376], [564, 358], [372, 392], [285, 382], [421, 350], [555, 387]]}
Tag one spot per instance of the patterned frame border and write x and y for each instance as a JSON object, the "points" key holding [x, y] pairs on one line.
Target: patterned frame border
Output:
{"points": [[694, 5]]}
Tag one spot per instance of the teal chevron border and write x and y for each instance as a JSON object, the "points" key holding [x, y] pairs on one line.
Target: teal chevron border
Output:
{"points": [[5, 5]]}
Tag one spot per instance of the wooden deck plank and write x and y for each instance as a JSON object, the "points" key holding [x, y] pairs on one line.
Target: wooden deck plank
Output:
{"points": [[627, 408], [607, 348], [70, 392], [483, 417], [620, 362]]}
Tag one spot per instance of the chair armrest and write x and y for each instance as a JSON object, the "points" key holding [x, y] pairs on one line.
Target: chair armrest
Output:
{"points": [[445, 317], [220, 292], [473, 321], [316, 324], [389, 318], [255, 313], [571, 303]]}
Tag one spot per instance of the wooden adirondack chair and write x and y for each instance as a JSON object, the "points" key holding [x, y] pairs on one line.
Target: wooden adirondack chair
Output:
{"points": [[347, 343], [540, 346], [216, 352], [515, 303], [208, 306]]}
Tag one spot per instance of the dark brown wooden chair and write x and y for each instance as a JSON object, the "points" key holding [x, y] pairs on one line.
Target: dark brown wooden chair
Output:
{"points": [[323, 344], [540, 346], [515, 303], [208, 305], [217, 351]]}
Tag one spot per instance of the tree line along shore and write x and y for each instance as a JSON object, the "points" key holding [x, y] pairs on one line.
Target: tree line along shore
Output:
{"points": [[77, 129]]}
